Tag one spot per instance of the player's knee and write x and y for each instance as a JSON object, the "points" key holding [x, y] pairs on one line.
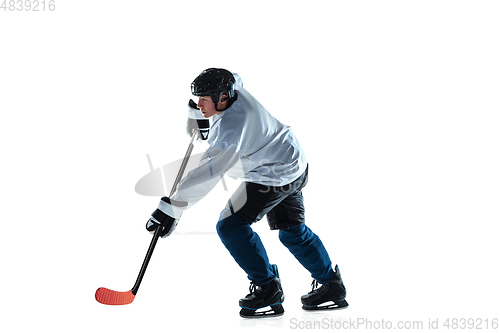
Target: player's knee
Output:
{"points": [[291, 235], [221, 228], [233, 225], [226, 226], [285, 237]]}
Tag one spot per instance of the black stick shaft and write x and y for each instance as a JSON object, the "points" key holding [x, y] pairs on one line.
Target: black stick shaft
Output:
{"points": [[156, 235], [151, 248]]}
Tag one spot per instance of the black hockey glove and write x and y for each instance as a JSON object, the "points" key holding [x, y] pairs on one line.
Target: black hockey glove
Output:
{"points": [[162, 216], [197, 122]]}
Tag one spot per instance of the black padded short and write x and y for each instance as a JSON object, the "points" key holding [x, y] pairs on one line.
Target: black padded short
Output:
{"points": [[283, 205]]}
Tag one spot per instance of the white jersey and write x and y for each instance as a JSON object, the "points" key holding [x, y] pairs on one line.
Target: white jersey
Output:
{"points": [[246, 143]]}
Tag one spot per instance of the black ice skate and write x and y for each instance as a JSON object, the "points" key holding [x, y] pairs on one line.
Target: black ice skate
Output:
{"points": [[269, 296], [330, 296]]}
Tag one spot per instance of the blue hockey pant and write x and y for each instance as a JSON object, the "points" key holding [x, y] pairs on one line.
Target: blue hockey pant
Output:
{"points": [[246, 247]]}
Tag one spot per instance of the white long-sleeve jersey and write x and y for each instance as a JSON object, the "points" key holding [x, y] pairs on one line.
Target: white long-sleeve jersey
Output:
{"points": [[247, 143]]}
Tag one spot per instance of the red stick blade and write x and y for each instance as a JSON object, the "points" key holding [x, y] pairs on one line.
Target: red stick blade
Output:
{"points": [[111, 297]]}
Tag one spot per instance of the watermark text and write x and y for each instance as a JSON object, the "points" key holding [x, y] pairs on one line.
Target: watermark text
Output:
{"points": [[383, 324]]}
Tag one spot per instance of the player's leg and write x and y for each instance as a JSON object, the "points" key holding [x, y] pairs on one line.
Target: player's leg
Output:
{"points": [[308, 249], [247, 249]]}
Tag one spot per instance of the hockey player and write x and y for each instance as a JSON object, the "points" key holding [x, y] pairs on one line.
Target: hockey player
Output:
{"points": [[274, 169]]}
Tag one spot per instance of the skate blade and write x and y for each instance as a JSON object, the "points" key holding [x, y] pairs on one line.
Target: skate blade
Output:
{"points": [[267, 312], [331, 305]]}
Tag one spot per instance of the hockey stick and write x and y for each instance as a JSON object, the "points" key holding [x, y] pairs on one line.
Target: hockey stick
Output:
{"points": [[111, 297]]}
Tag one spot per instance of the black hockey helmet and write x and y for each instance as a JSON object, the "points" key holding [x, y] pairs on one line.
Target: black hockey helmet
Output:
{"points": [[213, 82]]}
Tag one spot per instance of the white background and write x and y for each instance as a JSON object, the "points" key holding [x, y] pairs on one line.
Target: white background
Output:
{"points": [[395, 102]]}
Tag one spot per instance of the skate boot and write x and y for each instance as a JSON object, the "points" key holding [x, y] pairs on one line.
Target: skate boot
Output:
{"points": [[330, 296], [263, 301]]}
